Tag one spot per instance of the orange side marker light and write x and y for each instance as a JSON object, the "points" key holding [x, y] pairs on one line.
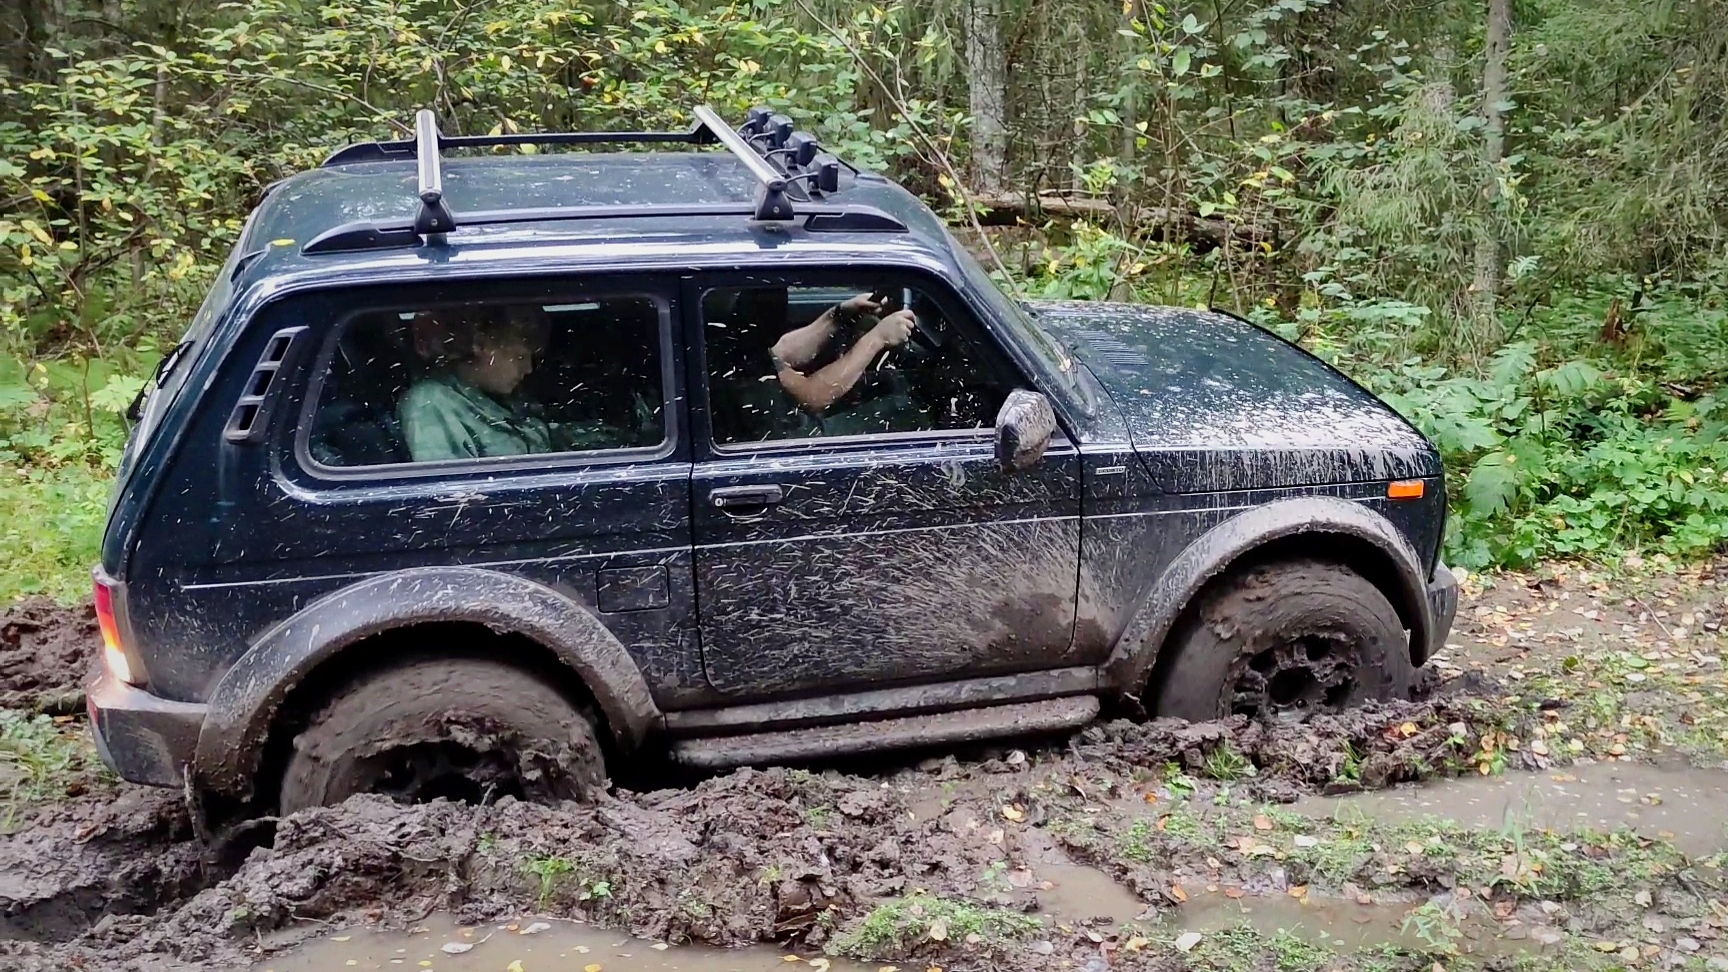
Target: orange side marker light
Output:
{"points": [[1405, 489]]}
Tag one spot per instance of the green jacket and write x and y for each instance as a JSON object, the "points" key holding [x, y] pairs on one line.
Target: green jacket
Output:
{"points": [[444, 417]]}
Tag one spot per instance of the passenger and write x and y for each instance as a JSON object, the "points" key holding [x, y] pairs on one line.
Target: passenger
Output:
{"points": [[467, 406], [829, 368]]}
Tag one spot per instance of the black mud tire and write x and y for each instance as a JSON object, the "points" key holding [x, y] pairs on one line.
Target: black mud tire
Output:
{"points": [[1282, 641], [464, 728]]}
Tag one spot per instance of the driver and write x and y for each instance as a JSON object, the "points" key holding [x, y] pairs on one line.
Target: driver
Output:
{"points": [[826, 364]]}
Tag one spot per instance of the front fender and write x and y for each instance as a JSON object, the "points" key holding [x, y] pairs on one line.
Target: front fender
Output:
{"points": [[1136, 651], [244, 703]]}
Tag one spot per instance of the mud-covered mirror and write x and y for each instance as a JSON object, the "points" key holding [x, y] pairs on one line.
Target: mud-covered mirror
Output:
{"points": [[1024, 426]]}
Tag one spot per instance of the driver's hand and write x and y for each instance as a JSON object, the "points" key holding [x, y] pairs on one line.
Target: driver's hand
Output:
{"points": [[861, 304], [895, 329]]}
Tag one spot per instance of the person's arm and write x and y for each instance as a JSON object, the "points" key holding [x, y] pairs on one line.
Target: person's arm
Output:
{"points": [[822, 388], [801, 345]]}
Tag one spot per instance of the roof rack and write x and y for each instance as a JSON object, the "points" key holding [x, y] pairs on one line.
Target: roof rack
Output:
{"points": [[780, 158]]}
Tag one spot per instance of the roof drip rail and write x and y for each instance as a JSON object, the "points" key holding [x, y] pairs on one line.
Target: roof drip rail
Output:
{"points": [[771, 201], [435, 217]]}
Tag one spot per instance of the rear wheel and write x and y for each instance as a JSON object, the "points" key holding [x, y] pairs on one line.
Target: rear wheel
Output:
{"points": [[460, 728], [1283, 641]]}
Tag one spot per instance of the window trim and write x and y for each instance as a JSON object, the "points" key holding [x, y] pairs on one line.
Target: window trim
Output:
{"points": [[664, 298], [947, 297]]}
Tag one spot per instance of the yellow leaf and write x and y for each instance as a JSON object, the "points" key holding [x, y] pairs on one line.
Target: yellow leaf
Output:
{"points": [[660, 47], [68, 246], [1136, 943], [1177, 892], [1013, 813], [24, 256], [790, 958], [514, 966], [819, 964], [592, 967], [282, 242]]}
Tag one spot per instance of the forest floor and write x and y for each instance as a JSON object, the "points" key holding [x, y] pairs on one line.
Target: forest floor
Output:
{"points": [[1553, 801]]}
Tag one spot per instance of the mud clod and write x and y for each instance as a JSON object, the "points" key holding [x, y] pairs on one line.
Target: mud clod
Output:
{"points": [[45, 652]]}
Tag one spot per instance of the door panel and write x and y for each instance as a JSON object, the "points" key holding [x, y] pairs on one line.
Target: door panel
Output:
{"points": [[915, 562]]}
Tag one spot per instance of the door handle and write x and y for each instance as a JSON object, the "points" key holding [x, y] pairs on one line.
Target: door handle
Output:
{"points": [[746, 497]]}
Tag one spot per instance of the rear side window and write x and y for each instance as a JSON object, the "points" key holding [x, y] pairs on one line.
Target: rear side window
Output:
{"points": [[468, 382]]}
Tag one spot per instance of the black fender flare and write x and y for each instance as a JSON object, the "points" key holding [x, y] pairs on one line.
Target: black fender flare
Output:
{"points": [[1213, 552], [244, 704]]}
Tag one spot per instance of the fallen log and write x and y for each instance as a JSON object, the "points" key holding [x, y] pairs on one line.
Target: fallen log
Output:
{"points": [[1006, 209]]}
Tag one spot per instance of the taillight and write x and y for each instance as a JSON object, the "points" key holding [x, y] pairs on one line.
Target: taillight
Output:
{"points": [[113, 655]]}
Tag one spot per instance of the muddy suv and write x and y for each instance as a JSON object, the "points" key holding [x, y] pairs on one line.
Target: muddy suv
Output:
{"points": [[728, 455]]}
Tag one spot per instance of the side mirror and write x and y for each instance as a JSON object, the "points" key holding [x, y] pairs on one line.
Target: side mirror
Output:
{"points": [[1024, 426]]}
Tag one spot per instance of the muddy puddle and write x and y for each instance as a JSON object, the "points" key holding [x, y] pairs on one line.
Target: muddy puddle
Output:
{"points": [[1681, 805], [440, 944]]}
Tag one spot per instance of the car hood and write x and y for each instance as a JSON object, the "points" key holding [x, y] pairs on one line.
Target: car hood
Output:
{"points": [[1214, 403]]}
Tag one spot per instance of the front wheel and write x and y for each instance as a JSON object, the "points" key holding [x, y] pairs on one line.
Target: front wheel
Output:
{"points": [[1283, 641], [460, 728]]}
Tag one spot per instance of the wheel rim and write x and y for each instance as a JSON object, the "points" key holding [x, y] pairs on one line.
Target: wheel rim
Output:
{"points": [[1294, 679], [422, 772]]}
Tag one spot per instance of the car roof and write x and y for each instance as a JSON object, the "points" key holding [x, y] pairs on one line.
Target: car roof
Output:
{"points": [[300, 208]]}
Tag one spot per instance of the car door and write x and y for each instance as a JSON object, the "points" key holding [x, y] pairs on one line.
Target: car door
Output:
{"points": [[838, 554]]}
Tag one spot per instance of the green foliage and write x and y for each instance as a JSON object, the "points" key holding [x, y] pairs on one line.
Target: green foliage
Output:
{"points": [[39, 762], [896, 928]]}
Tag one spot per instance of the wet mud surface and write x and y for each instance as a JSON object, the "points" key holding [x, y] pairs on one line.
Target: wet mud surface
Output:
{"points": [[1003, 859], [45, 652], [1490, 825]]}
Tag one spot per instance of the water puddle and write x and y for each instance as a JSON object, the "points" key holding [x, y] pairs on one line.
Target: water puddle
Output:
{"points": [[439, 944], [1348, 925], [1682, 805]]}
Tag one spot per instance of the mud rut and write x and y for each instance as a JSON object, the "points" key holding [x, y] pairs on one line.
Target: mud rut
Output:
{"points": [[116, 879]]}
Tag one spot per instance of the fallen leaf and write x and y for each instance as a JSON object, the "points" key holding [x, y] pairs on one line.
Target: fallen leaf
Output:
{"points": [[1177, 893], [1014, 813], [1299, 891], [1137, 943], [1643, 898], [659, 946], [939, 930], [1234, 892], [342, 938], [1364, 899], [790, 958], [1303, 840], [819, 964], [1187, 940], [1408, 729], [1607, 946], [889, 968], [1151, 797], [455, 948], [535, 928], [1262, 822]]}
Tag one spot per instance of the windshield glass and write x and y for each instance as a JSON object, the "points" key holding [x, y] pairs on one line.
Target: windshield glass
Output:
{"points": [[1016, 314]]}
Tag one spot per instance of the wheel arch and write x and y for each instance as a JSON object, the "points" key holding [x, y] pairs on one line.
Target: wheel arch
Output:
{"points": [[1315, 527], [310, 650]]}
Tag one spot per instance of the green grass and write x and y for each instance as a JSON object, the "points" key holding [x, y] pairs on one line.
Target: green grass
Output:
{"points": [[42, 762], [50, 529], [896, 928]]}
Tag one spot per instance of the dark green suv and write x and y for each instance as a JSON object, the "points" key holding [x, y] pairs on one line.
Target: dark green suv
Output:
{"points": [[481, 474]]}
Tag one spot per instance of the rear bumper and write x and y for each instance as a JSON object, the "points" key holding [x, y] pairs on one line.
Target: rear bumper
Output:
{"points": [[143, 738], [1442, 609]]}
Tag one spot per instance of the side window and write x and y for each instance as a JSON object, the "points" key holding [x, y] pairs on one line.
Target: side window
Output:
{"points": [[854, 357], [473, 381]]}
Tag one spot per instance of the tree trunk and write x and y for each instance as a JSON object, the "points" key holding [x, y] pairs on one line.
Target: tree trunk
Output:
{"points": [[986, 62], [1490, 249]]}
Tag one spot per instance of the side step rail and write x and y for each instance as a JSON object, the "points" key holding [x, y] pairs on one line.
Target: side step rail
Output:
{"points": [[947, 728]]}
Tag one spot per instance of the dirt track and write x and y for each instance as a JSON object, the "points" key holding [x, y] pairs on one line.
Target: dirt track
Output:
{"points": [[114, 878]]}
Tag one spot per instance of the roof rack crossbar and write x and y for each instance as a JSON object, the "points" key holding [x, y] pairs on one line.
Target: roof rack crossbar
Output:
{"points": [[771, 201], [434, 215]]}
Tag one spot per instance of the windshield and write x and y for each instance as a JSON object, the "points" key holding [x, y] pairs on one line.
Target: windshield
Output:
{"points": [[1017, 315]]}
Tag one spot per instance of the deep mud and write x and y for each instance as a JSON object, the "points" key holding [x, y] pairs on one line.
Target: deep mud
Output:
{"points": [[786, 856], [45, 652]]}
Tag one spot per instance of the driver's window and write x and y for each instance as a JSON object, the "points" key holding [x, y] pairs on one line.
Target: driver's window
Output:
{"points": [[852, 357]]}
